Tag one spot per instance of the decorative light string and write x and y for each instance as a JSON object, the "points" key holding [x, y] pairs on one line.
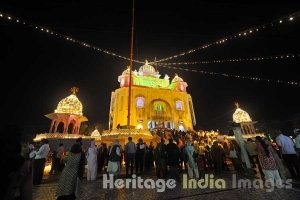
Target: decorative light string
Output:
{"points": [[234, 60], [242, 34], [293, 83], [17, 20], [291, 17]]}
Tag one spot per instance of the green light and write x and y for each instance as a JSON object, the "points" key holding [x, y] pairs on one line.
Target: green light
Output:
{"points": [[150, 82]]}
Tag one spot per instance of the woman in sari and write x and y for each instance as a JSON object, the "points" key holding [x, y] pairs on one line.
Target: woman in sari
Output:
{"points": [[71, 175]]}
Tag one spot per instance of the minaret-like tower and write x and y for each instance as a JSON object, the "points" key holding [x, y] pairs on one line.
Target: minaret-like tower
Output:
{"points": [[67, 117], [242, 117]]}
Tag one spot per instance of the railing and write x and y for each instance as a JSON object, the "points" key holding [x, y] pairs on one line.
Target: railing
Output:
{"points": [[112, 132], [40, 136], [126, 132]]}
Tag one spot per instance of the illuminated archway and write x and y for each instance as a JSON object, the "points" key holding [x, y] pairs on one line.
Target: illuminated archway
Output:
{"points": [[60, 127], [160, 114]]}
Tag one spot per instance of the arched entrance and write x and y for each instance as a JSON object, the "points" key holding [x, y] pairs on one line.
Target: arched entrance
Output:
{"points": [[60, 127], [160, 115], [71, 126]]}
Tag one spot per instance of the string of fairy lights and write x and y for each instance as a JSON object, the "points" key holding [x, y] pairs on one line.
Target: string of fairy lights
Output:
{"points": [[46, 30], [250, 31], [234, 60], [293, 83], [242, 34]]}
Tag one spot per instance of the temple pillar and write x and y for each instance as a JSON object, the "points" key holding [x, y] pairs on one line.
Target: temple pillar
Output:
{"points": [[56, 125], [51, 126]]}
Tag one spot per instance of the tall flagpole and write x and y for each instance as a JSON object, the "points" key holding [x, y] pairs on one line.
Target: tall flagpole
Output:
{"points": [[130, 65]]}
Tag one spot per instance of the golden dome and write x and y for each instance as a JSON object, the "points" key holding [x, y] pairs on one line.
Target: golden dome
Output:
{"points": [[240, 116], [70, 104]]}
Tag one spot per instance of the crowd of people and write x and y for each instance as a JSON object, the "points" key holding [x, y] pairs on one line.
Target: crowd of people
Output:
{"points": [[174, 153]]}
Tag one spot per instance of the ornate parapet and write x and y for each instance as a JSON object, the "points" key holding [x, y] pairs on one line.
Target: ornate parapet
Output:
{"points": [[126, 132], [41, 136], [122, 135]]}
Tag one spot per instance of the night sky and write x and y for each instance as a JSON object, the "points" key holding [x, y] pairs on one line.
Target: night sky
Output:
{"points": [[41, 68]]}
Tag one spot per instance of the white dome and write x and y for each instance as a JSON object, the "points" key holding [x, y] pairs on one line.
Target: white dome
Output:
{"points": [[95, 133], [70, 104], [240, 116], [147, 70]]}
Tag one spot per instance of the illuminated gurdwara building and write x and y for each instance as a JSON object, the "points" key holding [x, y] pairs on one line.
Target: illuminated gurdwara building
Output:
{"points": [[155, 102]]}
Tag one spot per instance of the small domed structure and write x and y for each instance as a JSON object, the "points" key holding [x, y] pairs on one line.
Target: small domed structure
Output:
{"points": [[124, 78], [126, 71], [67, 117], [177, 79], [95, 133], [240, 116], [178, 84], [70, 105]]}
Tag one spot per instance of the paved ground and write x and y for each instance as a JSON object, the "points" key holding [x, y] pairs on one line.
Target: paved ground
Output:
{"points": [[94, 190]]}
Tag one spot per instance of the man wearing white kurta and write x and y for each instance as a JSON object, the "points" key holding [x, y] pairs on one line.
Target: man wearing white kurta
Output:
{"points": [[92, 162], [288, 153], [40, 161]]}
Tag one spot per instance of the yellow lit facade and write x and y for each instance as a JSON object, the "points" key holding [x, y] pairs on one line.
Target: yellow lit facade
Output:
{"points": [[155, 102]]}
